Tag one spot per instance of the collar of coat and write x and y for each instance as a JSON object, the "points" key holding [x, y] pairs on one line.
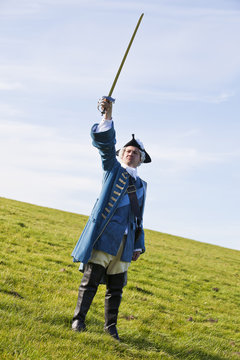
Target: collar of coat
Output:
{"points": [[132, 171]]}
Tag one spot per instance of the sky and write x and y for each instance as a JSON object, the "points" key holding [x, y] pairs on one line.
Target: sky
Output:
{"points": [[179, 93]]}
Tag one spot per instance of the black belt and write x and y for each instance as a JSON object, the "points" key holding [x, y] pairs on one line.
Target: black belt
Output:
{"points": [[131, 190]]}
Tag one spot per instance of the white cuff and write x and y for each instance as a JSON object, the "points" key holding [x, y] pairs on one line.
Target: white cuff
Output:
{"points": [[104, 125]]}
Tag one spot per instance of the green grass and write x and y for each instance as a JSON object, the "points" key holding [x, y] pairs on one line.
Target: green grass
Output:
{"points": [[181, 302]]}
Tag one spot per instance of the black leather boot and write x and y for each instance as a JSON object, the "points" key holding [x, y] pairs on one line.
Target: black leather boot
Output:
{"points": [[87, 290], [113, 299]]}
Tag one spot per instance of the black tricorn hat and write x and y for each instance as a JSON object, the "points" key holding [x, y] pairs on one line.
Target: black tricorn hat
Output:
{"points": [[138, 145]]}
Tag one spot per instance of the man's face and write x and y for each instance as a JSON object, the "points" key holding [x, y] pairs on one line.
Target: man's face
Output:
{"points": [[131, 156]]}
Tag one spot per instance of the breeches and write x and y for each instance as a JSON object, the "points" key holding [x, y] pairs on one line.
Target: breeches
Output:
{"points": [[112, 264]]}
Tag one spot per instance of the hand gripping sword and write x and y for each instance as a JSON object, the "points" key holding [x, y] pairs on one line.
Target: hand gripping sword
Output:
{"points": [[109, 97]]}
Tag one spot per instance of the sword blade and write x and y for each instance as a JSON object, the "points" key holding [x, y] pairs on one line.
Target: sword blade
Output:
{"points": [[125, 56]]}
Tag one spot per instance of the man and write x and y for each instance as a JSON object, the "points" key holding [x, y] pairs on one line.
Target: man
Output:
{"points": [[113, 235]]}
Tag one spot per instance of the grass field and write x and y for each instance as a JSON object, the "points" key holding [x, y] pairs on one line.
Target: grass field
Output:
{"points": [[181, 302]]}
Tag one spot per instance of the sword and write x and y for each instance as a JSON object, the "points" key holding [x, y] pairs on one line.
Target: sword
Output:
{"points": [[109, 97]]}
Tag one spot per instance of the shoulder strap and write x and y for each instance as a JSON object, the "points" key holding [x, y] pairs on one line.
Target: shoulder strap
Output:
{"points": [[131, 190]]}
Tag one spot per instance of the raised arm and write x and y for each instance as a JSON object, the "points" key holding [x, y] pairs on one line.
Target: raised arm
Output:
{"points": [[103, 136]]}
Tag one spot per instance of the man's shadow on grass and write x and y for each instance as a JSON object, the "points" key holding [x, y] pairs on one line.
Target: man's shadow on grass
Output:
{"points": [[168, 349]]}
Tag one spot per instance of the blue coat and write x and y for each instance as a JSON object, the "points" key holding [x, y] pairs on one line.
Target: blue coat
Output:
{"points": [[115, 183]]}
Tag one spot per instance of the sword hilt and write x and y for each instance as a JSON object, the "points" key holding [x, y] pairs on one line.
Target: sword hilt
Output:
{"points": [[104, 98]]}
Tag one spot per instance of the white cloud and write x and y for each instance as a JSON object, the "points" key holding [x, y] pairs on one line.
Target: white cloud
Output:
{"points": [[198, 51], [9, 111], [10, 86], [42, 167], [179, 160], [41, 149], [37, 79], [16, 8], [158, 96], [180, 60]]}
